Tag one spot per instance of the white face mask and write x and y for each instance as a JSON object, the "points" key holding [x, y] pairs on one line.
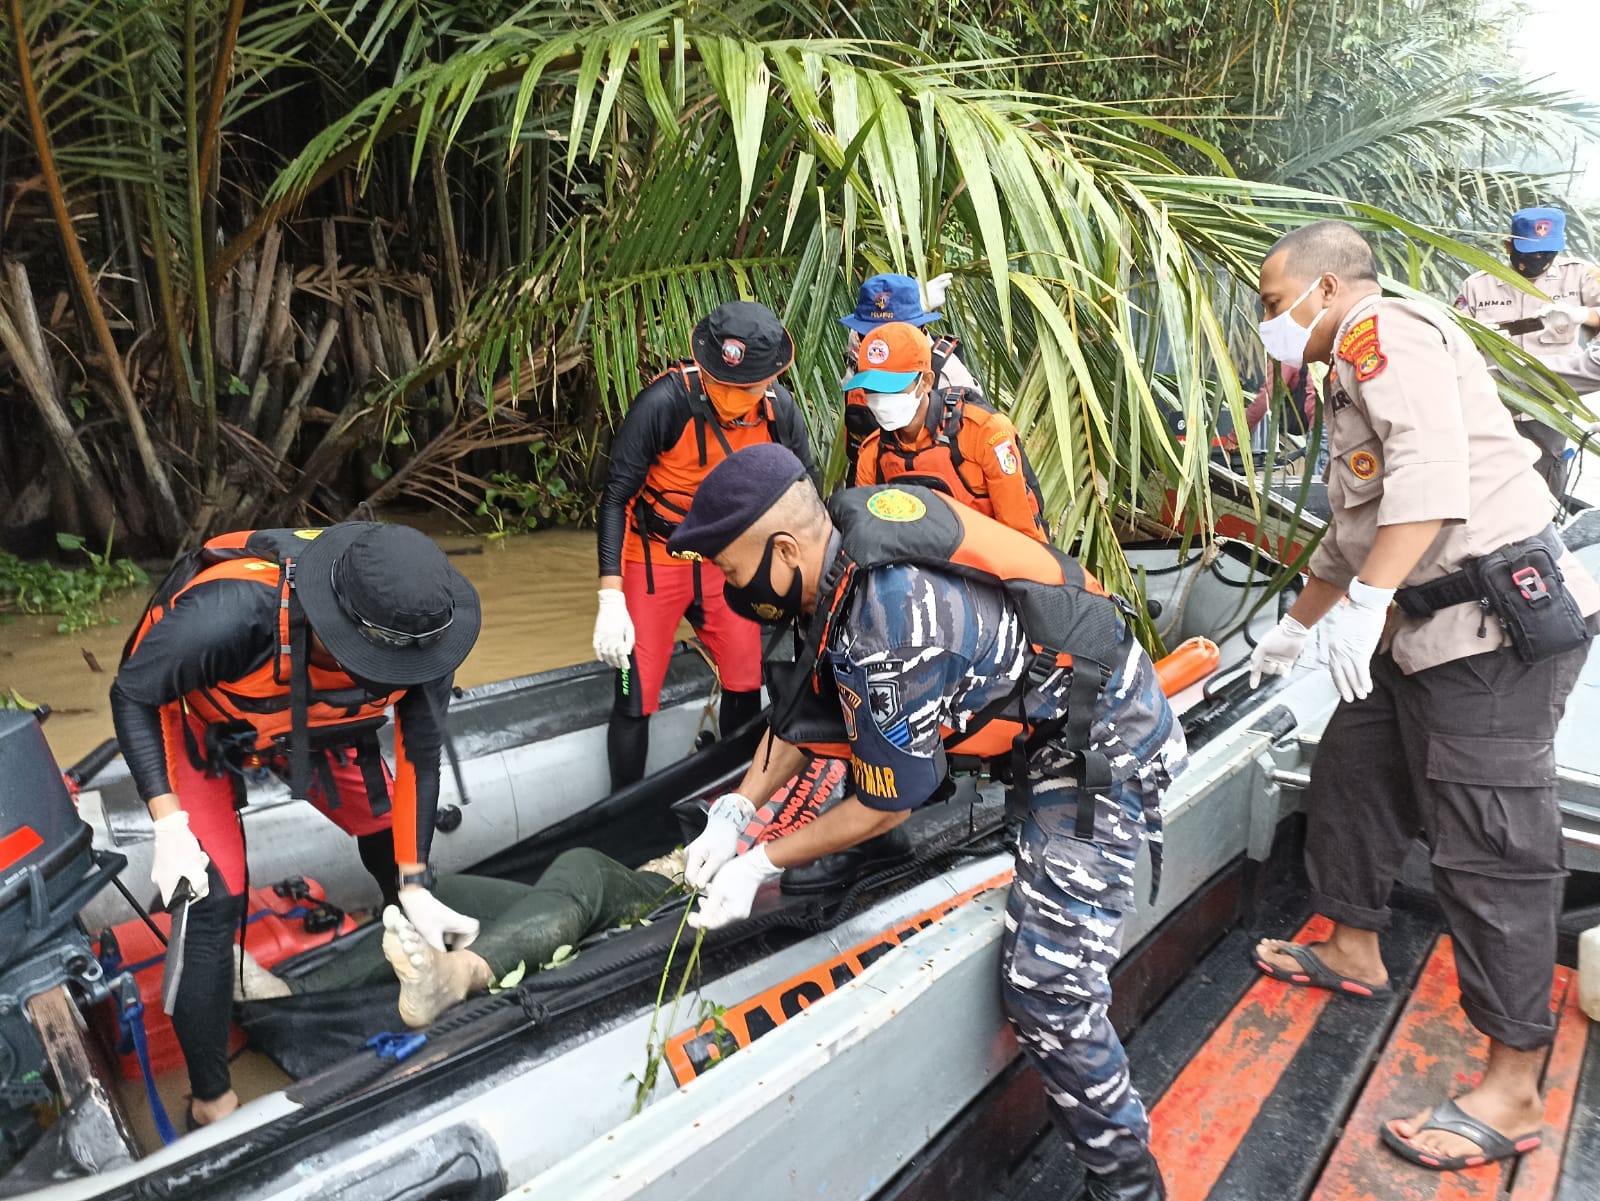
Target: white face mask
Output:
{"points": [[1285, 338], [894, 410]]}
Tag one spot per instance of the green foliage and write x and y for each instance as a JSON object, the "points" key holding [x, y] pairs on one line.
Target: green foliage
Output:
{"points": [[551, 494], [76, 594]]}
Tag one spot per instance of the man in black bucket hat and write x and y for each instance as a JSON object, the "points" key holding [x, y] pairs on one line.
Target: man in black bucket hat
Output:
{"points": [[682, 425], [279, 652]]}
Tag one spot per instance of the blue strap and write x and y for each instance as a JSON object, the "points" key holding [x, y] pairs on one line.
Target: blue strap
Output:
{"points": [[396, 1046], [132, 1019]]}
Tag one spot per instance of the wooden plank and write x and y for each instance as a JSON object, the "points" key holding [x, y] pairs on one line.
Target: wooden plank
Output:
{"points": [[1539, 1173], [56, 1021], [1198, 1124], [1433, 1053]]}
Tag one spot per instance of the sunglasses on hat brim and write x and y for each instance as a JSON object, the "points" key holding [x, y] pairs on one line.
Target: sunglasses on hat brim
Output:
{"points": [[382, 635]]}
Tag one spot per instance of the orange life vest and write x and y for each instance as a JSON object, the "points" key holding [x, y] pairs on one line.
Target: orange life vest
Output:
{"points": [[1067, 617], [859, 423], [262, 700], [669, 486], [942, 464]]}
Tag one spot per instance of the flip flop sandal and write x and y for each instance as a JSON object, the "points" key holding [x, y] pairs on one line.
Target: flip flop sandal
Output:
{"points": [[1316, 974], [1451, 1118]]}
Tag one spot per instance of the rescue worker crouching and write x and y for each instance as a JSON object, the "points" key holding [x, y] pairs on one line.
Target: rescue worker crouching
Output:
{"points": [[680, 427], [1451, 698], [279, 651], [947, 439], [898, 298], [942, 634]]}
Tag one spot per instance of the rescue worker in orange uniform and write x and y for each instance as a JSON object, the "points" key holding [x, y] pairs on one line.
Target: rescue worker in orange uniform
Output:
{"points": [[949, 439], [886, 298], [278, 652], [680, 427], [926, 633]]}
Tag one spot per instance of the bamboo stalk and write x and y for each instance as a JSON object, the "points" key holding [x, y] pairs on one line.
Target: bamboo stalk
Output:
{"points": [[447, 235], [293, 411], [254, 328], [168, 521], [24, 342]]}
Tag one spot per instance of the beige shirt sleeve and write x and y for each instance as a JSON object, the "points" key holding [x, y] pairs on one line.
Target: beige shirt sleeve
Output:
{"points": [[1329, 565], [1589, 287], [1413, 404]]}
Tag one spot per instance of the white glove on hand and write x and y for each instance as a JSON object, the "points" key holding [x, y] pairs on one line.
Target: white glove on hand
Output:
{"points": [[178, 857], [1276, 653], [934, 290], [436, 921], [733, 890], [1563, 319], [613, 629], [719, 841], [1356, 637]]}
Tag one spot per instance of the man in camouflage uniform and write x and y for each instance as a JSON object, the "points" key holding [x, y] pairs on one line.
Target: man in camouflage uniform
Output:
{"points": [[916, 653]]}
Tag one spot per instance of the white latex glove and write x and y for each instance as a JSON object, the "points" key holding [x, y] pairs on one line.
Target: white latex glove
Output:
{"points": [[1356, 637], [436, 921], [719, 841], [934, 290], [1276, 653], [178, 857], [733, 890], [613, 630], [1563, 319]]}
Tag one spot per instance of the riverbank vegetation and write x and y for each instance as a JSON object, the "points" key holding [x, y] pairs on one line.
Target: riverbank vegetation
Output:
{"points": [[272, 263]]}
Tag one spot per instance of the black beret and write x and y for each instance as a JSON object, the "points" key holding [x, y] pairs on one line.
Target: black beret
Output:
{"points": [[732, 498]]}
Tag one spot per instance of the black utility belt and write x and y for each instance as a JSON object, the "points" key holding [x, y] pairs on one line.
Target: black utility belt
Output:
{"points": [[1521, 585]]}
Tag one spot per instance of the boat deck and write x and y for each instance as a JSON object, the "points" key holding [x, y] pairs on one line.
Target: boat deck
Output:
{"points": [[1260, 1089]]}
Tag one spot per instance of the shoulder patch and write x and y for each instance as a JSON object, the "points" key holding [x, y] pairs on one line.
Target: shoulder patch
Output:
{"points": [[1005, 453], [1340, 399], [1361, 350], [1461, 303]]}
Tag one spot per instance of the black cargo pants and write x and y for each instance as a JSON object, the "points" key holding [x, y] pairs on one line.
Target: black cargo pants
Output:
{"points": [[1463, 756]]}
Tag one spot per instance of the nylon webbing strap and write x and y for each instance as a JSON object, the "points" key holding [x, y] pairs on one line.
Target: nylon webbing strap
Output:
{"points": [[299, 693], [1094, 771]]}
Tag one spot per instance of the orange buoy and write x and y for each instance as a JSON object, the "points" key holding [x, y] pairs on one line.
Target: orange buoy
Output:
{"points": [[1192, 662]]}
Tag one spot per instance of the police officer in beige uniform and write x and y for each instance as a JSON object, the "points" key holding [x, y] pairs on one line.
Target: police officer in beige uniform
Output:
{"points": [[1448, 731], [1569, 308]]}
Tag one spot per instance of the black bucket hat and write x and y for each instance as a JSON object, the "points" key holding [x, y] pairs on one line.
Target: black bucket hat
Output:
{"points": [[742, 342], [386, 603]]}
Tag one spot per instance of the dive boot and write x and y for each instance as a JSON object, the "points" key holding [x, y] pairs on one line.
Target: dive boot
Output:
{"points": [[1138, 1181], [844, 868]]}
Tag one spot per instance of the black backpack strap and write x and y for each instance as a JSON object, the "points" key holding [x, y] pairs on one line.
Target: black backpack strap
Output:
{"points": [[299, 655], [944, 347], [700, 409]]}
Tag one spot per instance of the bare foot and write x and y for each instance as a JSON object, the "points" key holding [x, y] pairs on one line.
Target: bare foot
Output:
{"points": [[206, 1112], [1356, 960], [1509, 1115], [430, 981], [258, 984]]}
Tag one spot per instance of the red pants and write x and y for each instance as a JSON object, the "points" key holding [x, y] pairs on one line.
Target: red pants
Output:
{"points": [[734, 641], [209, 800]]}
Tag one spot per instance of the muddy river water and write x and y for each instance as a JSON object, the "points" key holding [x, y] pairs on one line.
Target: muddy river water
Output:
{"points": [[538, 594]]}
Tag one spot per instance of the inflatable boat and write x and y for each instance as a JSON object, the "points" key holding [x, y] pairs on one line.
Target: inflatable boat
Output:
{"points": [[848, 1044]]}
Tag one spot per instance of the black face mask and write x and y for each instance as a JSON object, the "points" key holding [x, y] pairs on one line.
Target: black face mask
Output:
{"points": [[758, 600], [1532, 264]]}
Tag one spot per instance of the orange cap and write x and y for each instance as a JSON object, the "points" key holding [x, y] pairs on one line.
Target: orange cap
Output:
{"points": [[891, 357]]}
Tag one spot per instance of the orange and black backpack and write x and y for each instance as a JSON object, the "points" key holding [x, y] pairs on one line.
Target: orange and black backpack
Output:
{"points": [[1069, 620]]}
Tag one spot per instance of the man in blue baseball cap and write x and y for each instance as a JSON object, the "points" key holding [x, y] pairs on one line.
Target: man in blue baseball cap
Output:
{"points": [[1568, 311], [886, 298]]}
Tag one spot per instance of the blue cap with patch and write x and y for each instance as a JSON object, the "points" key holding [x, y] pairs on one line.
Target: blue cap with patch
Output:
{"points": [[887, 298], [1537, 229]]}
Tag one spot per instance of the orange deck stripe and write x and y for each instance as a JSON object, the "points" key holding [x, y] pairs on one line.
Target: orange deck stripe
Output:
{"points": [[1201, 1119], [1433, 1053], [1540, 1171]]}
